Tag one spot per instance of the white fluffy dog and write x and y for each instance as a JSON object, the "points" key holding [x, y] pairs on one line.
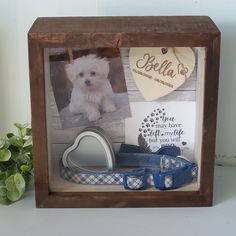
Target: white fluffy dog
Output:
{"points": [[91, 88]]}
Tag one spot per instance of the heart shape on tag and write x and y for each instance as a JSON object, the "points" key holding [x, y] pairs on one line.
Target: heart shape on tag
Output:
{"points": [[158, 71], [91, 151]]}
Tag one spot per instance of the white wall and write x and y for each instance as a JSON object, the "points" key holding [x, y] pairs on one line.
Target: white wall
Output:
{"points": [[17, 16]]}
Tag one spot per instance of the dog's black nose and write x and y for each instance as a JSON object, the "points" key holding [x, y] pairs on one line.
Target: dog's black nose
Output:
{"points": [[87, 82]]}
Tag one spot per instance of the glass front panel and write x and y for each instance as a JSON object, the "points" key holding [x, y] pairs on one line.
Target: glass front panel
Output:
{"points": [[147, 97]]}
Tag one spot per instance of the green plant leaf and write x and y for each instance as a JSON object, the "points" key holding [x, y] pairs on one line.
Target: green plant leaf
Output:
{"points": [[15, 156], [29, 132], [18, 125], [15, 185], [14, 149], [16, 167], [28, 149], [3, 191], [27, 157], [4, 200], [4, 143], [21, 126], [3, 176], [9, 135], [27, 177], [16, 141], [6, 166], [5, 155], [14, 195], [10, 185], [28, 142], [23, 132], [19, 182], [12, 171], [25, 167]]}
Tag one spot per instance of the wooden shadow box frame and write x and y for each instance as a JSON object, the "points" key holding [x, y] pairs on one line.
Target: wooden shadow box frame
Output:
{"points": [[124, 32]]}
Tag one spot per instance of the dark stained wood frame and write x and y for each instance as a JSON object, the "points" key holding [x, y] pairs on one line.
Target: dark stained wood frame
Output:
{"points": [[95, 32]]}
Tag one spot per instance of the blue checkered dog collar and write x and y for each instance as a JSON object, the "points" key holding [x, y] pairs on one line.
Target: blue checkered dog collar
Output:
{"points": [[137, 169]]}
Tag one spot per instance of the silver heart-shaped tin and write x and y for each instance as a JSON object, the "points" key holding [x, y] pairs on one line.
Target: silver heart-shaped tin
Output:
{"points": [[91, 151]]}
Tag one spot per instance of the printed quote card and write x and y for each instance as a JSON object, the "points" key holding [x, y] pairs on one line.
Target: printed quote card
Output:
{"points": [[155, 124]]}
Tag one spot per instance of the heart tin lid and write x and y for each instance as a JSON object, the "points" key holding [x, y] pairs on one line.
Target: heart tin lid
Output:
{"points": [[92, 151]]}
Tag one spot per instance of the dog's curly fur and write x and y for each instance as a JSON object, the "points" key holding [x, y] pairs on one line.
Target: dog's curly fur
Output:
{"points": [[91, 88]]}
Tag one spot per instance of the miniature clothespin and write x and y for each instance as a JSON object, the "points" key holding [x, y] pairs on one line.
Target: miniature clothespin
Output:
{"points": [[70, 53]]}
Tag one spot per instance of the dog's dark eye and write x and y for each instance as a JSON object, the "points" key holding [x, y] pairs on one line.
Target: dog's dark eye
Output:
{"points": [[92, 73], [81, 74]]}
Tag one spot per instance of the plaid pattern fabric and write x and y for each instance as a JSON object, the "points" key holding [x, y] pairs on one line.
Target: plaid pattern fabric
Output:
{"points": [[133, 179], [135, 182], [91, 178], [168, 181], [112, 178], [168, 163], [194, 171]]}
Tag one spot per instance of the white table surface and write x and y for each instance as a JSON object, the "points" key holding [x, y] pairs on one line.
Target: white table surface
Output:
{"points": [[22, 218]]}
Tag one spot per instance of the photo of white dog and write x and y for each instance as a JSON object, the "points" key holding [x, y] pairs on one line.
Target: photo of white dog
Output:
{"points": [[92, 92]]}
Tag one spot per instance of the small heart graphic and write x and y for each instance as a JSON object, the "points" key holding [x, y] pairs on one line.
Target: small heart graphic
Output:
{"points": [[164, 50], [158, 73], [183, 70], [184, 143]]}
